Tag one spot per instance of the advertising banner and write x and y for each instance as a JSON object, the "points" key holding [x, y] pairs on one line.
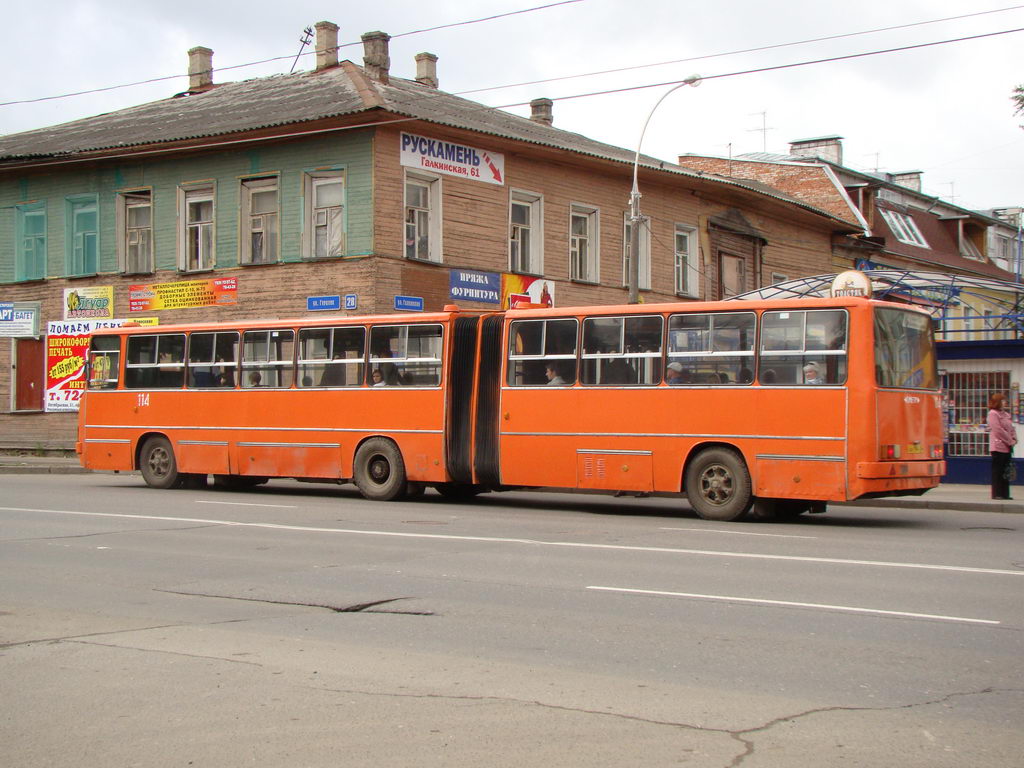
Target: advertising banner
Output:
{"points": [[18, 321], [467, 285], [524, 292], [452, 159], [67, 344], [92, 303], [186, 294]]}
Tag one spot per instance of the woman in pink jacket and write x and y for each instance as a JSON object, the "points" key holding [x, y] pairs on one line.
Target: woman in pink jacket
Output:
{"points": [[1001, 439]]}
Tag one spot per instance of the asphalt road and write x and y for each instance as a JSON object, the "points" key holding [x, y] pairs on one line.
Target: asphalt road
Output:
{"points": [[299, 625]]}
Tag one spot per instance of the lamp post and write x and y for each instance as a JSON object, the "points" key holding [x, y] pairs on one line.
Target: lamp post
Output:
{"points": [[635, 219]]}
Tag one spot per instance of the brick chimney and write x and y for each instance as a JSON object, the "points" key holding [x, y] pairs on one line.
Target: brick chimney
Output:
{"points": [[200, 69], [326, 44], [426, 69], [829, 148], [908, 179], [376, 60], [540, 111]]}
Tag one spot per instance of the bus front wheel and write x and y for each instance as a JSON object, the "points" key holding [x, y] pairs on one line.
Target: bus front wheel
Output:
{"points": [[379, 471], [156, 460], [718, 485]]}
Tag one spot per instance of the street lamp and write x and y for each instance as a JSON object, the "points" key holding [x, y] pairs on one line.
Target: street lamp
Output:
{"points": [[635, 219]]}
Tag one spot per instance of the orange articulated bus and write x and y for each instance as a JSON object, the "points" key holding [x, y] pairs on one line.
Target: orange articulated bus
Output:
{"points": [[776, 406]]}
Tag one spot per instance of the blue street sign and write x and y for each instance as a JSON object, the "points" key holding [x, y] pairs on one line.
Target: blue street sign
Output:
{"points": [[6, 311], [350, 301], [409, 303], [320, 303]]}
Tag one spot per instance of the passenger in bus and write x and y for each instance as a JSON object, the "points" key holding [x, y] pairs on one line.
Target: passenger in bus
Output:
{"points": [[812, 374], [378, 378], [225, 373], [675, 375], [255, 379], [769, 376], [618, 371], [746, 376], [334, 374], [307, 381], [554, 378]]}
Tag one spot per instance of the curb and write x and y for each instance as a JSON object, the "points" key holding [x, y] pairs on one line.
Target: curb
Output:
{"points": [[25, 469], [952, 505]]}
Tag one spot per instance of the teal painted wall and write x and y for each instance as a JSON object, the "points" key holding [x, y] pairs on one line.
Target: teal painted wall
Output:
{"points": [[349, 151]]}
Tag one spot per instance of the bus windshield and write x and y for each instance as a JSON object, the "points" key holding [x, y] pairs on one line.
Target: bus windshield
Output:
{"points": [[904, 350]]}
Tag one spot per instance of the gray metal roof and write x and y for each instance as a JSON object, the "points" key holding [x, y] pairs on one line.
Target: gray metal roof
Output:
{"points": [[281, 100]]}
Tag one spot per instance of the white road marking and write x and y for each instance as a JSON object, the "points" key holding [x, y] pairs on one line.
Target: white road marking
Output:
{"points": [[740, 533], [247, 504], [789, 603], [529, 542]]}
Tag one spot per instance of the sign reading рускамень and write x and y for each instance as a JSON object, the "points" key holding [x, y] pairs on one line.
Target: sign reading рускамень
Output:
{"points": [[452, 159]]}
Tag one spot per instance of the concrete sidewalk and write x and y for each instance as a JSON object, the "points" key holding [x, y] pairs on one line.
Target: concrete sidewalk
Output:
{"points": [[946, 496]]}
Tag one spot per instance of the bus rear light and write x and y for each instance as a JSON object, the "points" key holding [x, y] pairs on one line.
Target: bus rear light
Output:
{"points": [[890, 452], [936, 452]]}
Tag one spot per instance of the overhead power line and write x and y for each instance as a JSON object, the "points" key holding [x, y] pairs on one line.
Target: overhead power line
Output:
{"points": [[772, 68], [165, 78], [758, 49]]}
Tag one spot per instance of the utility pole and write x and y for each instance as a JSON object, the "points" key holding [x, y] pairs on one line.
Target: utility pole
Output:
{"points": [[635, 217]]}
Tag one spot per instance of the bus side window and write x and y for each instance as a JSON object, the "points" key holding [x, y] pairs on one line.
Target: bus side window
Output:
{"points": [[212, 359], [711, 349], [406, 355], [268, 358], [331, 357], [621, 351], [541, 352], [155, 361], [805, 347]]}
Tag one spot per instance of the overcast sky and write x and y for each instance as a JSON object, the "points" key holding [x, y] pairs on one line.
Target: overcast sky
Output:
{"points": [[944, 110]]}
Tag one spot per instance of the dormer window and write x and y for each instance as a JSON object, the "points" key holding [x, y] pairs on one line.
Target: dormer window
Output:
{"points": [[903, 227]]}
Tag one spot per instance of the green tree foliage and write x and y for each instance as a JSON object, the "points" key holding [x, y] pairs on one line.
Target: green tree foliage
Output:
{"points": [[1018, 99]]}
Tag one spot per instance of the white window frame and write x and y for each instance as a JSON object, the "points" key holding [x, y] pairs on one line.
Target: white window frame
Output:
{"points": [[534, 233], [249, 223], [126, 201], [311, 214], [78, 240], [197, 193], [904, 228], [685, 263], [433, 211], [645, 251], [778, 277], [591, 240], [968, 249]]}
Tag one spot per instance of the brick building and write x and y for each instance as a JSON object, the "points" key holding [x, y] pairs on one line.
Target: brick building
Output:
{"points": [[278, 196]]}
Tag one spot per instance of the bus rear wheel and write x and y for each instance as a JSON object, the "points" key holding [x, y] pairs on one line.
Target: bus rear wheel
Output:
{"points": [[718, 485], [156, 460], [379, 471]]}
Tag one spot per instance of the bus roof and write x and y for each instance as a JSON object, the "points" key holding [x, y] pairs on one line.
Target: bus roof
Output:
{"points": [[708, 306], [406, 318], [403, 318]]}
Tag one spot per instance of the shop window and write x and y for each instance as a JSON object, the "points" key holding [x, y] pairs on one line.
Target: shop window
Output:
{"points": [[966, 396]]}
